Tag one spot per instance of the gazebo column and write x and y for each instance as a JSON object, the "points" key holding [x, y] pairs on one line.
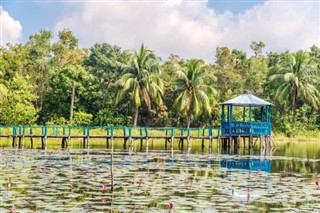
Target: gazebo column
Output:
{"points": [[222, 120], [230, 126], [250, 129]]}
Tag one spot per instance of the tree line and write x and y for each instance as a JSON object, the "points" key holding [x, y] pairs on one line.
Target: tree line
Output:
{"points": [[60, 83]]}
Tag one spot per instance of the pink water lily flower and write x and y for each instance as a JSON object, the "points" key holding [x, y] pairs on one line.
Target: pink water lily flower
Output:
{"points": [[104, 187], [13, 208], [170, 206]]}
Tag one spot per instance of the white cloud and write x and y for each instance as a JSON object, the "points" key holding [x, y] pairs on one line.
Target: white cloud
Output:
{"points": [[11, 30], [191, 29]]}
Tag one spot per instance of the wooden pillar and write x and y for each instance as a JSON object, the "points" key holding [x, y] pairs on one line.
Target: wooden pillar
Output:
{"points": [[107, 142], [88, 142], [111, 165], [68, 142], [84, 142], [44, 142], [188, 140], [218, 141], [141, 144], [165, 144], [202, 145], [22, 141], [250, 142], [125, 142], [31, 141], [239, 139], [210, 142]]}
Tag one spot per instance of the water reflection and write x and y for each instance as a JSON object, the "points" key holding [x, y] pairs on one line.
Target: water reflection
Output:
{"points": [[217, 181]]}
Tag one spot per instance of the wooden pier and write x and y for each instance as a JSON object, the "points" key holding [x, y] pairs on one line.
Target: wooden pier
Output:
{"points": [[128, 134]]}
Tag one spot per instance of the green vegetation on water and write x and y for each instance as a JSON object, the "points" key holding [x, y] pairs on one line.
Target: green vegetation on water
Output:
{"points": [[58, 83]]}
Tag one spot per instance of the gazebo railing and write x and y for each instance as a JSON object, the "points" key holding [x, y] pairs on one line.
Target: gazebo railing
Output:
{"points": [[246, 128]]}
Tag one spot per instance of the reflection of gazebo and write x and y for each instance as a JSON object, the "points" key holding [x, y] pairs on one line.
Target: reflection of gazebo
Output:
{"points": [[248, 164], [260, 127]]}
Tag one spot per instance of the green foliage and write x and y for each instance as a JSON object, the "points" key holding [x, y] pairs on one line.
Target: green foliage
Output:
{"points": [[115, 86], [192, 94], [141, 82], [82, 119]]}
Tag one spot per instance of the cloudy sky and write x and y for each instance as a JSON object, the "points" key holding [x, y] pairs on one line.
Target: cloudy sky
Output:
{"points": [[187, 28]]}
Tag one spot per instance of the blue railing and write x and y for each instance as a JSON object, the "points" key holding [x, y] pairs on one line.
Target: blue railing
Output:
{"points": [[120, 131], [246, 128]]}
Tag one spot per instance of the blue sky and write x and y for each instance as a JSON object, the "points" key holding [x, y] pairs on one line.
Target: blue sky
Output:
{"points": [[37, 15], [191, 29]]}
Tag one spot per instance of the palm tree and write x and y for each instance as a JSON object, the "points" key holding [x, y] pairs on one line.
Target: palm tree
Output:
{"points": [[141, 82], [297, 78], [192, 94]]}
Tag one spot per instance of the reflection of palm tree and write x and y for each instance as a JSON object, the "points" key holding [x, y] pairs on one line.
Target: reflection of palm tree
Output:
{"points": [[296, 77], [140, 82], [192, 94]]}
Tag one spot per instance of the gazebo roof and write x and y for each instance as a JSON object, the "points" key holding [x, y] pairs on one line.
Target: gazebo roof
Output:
{"points": [[247, 99]]}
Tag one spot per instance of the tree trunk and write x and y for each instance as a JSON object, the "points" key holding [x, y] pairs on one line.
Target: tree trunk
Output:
{"points": [[72, 102], [188, 118], [135, 119], [294, 108], [294, 103]]}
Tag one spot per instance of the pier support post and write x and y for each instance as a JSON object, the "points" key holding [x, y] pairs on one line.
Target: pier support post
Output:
{"points": [[141, 144], [107, 142], [165, 144], [239, 139], [68, 142], [88, 142], [31, 141], [210, 142], [44, 142], [188, 140], [202, 145], [22, 141], [250, 142], [218, 141]]}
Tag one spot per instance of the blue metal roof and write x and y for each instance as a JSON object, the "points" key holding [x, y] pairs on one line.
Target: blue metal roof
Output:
{"points": [[247, 99]]}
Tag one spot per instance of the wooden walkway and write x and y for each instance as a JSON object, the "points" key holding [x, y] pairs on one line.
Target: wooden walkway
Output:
{"points": [[128, 134]]}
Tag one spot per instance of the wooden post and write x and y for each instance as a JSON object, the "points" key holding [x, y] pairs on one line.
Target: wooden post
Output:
{"points": [[31, 141], [210, 142], [141, 144], [239, 139], [44, 142], [165, 144], [68, 142], [250, 142], [111, 165], [218, 141], [107, 142]]}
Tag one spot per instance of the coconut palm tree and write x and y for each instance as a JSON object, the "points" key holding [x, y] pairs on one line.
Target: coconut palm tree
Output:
{"points": [[192, 94], [297, 77], [141, 82]]}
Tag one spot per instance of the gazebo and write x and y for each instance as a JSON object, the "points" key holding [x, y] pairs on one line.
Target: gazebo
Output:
{"points": [[253, 125]]}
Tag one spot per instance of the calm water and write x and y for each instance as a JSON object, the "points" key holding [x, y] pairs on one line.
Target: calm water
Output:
{"points": [[282, 180]]}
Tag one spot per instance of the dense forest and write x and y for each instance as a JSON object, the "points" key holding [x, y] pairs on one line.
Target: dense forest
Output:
{"points": [[60, 83]]}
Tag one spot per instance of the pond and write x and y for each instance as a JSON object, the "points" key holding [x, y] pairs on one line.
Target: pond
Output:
{"points": [[78, 180]]}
